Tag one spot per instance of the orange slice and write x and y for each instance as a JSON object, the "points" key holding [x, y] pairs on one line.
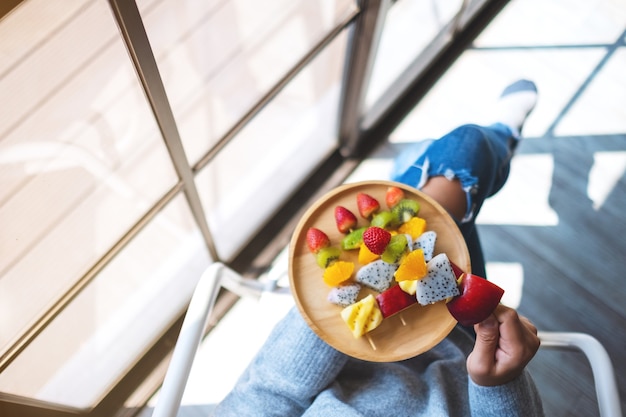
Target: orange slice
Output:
{"points": [[338, 272], [366, 256], [412, 267], [414, 227]]}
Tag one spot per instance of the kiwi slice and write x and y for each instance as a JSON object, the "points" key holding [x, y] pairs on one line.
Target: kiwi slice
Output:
{"points": [[353, 239], [384, 219], [406, 209], [395, 249], [327, 256]]}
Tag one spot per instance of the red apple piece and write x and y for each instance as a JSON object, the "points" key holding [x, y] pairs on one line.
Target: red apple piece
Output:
{"points": [[478, 299], [456, 269], [394, 300]]}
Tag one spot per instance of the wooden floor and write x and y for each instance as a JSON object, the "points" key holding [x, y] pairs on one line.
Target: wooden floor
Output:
{"points": [[559, 225], [572, 270]]}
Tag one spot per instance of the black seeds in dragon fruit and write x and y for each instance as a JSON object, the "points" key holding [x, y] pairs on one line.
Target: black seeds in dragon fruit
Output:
{"points": [[439, 283], [377, 275], [344, 295], [426, 242]]}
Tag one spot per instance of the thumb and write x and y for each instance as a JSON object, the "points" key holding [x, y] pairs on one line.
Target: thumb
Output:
{"points": [[487, 336]]}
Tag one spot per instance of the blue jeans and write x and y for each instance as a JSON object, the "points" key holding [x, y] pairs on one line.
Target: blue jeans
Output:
{"points": [[478, 156]]}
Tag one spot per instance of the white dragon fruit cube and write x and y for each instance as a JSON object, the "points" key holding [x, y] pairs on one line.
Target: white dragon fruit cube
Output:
{"points": [[439, 283], [426, 242], [344, 295], [377, 275]]}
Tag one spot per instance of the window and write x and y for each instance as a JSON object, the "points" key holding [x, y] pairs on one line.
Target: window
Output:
{"points": [[98, 234]]}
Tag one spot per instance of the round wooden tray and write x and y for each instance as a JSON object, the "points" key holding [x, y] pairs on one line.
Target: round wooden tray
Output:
{"points": [[402, 336]]}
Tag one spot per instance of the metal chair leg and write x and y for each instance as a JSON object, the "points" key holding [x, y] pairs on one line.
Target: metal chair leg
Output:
{"points": [[601, 366]]}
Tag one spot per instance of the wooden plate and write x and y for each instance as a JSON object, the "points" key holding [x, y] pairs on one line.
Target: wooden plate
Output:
{"points": [[402, 336]]}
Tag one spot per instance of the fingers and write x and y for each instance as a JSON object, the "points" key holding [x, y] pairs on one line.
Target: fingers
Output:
{"points": [[531, 327], [482, 360], [497, 362], [518, 336]]}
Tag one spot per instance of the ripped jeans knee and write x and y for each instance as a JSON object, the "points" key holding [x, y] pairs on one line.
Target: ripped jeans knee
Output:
{"points": [[478, 156]]}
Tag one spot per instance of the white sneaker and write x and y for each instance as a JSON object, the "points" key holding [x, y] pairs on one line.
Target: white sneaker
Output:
{"points": [[515, 104]]}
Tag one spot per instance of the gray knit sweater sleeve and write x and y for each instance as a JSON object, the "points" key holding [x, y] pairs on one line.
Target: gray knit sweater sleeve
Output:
{"points": [[517, 398], [295, 373]]}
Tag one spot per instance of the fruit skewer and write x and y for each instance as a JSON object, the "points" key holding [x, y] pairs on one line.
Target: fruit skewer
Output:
{"points": [[371, 341]]}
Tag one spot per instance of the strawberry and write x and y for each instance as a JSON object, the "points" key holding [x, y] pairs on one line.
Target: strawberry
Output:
{"points": [[376, 239], [345, 219], [367, 205], [393, 196], [316, 239]]}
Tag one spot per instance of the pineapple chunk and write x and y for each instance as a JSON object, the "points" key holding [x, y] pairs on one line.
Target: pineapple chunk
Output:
{"points": [[408, 286], [362, 316]]}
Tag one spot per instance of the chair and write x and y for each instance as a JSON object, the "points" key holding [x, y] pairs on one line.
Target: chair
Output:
{"points": [[219, 275], [601, 366]]}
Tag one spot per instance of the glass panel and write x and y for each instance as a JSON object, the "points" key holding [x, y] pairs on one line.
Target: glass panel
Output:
{"points": [[410, 27], [81, 159], [218, 58], [81, 354], [274, 153]]}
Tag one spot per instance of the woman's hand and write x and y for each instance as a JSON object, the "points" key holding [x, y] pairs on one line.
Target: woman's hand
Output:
{"points": [[505, 343]]}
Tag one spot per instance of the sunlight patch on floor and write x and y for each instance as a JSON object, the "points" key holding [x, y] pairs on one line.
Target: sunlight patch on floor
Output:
{"points": [[524, 198], [510, 277], [608, 168]]}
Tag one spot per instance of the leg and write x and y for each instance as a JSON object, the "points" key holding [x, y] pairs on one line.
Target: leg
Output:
{"points": [[469, 164], [472, 157], [460, 170], [448, 193], [451, 196]]}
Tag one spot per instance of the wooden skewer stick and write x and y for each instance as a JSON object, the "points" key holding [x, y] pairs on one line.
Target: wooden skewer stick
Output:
{"points": [[402, 320], [372, 344]]}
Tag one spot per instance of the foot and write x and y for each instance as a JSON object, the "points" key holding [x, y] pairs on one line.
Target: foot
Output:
{"points": [[515, 104]]}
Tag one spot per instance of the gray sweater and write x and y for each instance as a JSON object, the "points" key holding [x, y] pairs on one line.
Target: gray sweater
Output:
{"points": [[297, 374]]}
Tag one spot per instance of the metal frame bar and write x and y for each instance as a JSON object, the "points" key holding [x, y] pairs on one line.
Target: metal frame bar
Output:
{"points": [[136, 39], [365, 37], [7, 7]]}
